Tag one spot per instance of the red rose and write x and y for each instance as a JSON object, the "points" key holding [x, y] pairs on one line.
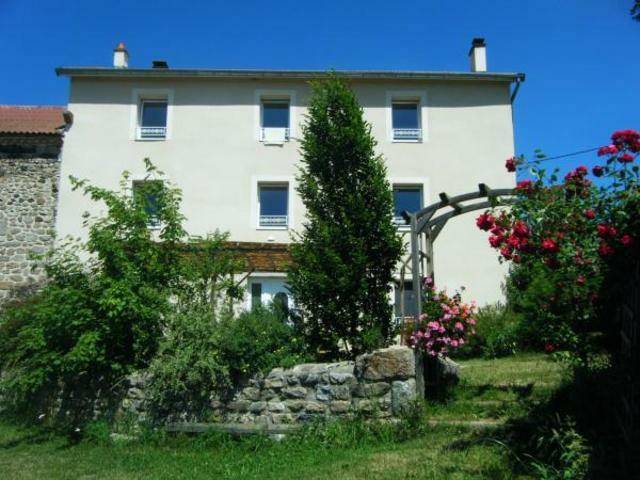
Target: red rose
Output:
{"points": [[524, 186], [626, 240], [497, 230], [506, 251], [485, 221], [513, 241], [605, 250], [625, 158], [496, 240], [606, 231], [598, 171], [580, 280], [510, 164], [520, 229], [608, 150], [517, 259], [590, 214], [549, 245], [549, 347]]}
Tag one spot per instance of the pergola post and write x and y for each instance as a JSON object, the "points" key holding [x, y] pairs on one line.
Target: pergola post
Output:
{"points": [[417, 293]]}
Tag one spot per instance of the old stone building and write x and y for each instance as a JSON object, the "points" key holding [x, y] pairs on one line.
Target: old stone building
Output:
{"points": [[30, 145]]}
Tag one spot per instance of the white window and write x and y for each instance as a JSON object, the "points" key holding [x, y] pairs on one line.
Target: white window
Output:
{"points": [[268, 289], [275, 120], [407, 198], [147, 194], [152, 119], [273, 205], [405, 118]]}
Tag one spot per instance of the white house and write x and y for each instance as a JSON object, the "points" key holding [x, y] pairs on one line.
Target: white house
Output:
{"points": [[230, 140]]}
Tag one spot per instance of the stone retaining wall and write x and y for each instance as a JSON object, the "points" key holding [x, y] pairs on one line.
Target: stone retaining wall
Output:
{"points": [[28, 196], [380, 384]]}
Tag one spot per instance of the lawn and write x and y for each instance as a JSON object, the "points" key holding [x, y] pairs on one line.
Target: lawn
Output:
{"points": [[493, 390]]}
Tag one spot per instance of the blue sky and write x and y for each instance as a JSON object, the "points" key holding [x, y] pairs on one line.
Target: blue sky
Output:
{"points": [[580, 56]]}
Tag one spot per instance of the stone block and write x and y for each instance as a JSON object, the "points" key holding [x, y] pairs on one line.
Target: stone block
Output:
{"points": [[341, 392], [340, 378], [295, 405], [257, 407], [276, 407], [386, 364], [295, 392], [340, 406], [324, 393], [368, 390], [402, 393], [315, 407], [251, 393], [239, 406]]}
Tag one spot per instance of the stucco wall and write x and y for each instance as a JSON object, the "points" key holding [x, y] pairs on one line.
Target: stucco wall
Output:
{"points": [[28, 189], [213, 154]]}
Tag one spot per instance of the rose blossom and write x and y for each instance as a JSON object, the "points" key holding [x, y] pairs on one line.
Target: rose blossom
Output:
{"points": [[598, 171], [511, 164], [590, 214], [626, 240], [485, 221], [549, 245]]}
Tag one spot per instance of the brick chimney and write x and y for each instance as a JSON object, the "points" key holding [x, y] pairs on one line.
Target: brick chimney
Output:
{"points": [[120, 56], [478, 55]]}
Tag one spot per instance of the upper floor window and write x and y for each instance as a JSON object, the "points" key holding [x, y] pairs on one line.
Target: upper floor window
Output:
{"points": [[273, 205], [275, 121], [147, 193], [405, 120], [152, 122], [406, 197]]}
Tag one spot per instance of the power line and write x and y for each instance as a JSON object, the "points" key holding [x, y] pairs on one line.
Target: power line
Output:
{"points": [[572, 154]]}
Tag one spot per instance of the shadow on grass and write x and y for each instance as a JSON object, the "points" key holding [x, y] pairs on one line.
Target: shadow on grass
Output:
{"points": [[589, 402]]}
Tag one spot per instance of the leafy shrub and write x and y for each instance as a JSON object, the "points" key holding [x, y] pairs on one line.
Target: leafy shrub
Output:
{"points": [[259, 340], [498, 333], [565, 452], [97, 319], [201, 358]]}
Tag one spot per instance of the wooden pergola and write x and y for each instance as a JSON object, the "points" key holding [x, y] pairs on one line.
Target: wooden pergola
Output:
{"points": [[426, 225]]}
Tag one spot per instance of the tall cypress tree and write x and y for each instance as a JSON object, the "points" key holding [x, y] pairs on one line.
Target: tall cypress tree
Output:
{"points": [[345, 256]]}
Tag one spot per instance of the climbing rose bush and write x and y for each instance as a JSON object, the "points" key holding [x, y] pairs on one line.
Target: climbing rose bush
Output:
{"points": [[446, 322], [563, 237]]}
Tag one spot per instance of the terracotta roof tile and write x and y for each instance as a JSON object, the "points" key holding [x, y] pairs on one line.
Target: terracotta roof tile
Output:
{"points": [[32, 120]]}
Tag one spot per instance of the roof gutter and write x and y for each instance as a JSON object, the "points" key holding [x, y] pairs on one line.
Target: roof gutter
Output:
{"points": [[517, 81], [102, 72]]}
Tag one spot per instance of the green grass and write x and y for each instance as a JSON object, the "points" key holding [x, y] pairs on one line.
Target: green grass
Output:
{"points": [[343, 453]]}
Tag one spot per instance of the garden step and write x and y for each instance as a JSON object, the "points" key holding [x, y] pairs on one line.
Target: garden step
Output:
{"points": [[474, 424], [232, 428]]}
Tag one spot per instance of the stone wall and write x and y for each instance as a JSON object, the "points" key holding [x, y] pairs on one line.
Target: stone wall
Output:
{"points": [[28, 197], [380, 384]]}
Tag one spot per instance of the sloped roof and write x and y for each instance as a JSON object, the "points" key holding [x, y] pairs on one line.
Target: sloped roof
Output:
{"points": [[23, 119]]}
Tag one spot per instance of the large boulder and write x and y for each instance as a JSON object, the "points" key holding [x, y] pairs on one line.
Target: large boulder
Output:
{"points": [[386, 364]]}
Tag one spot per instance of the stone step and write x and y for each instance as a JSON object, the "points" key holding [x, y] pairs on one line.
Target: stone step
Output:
{"points": [[232, 428]]}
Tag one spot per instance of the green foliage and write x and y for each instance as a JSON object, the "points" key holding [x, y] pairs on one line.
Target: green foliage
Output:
{"points": [[565, 451], [201, 357], [344, 258], [96, 319], [499, 333]]}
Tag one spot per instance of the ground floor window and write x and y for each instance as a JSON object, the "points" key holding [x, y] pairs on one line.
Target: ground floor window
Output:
{"points": [[405, 300], [269, 290]]}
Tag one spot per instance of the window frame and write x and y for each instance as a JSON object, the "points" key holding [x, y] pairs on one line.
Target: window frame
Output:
{"points": [[152, 224], [418, 98], [262, 96], [287, 188], [409, 182], [138, 97]]}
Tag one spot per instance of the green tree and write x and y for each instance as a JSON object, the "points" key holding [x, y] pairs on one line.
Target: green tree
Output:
{"points": [[345, 256], [635, 10]]}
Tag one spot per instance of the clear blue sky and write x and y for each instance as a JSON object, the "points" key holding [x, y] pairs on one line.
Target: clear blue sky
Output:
{"points": [[580, 56]]}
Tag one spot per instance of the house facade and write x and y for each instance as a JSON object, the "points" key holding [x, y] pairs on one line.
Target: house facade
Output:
{"points": [[230, 140]]}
